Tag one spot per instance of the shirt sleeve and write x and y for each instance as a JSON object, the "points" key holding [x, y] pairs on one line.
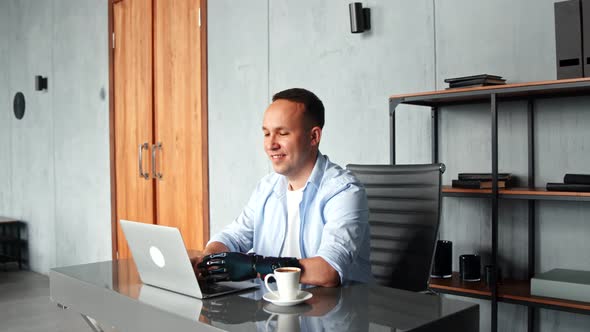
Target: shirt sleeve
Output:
{"points": [[346, 228], [238, 236]]}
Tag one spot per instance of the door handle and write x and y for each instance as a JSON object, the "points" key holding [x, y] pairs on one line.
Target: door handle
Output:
{"points": [[155, 173], [141, 148]]}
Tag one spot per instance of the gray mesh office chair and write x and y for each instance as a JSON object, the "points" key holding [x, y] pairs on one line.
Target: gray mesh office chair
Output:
{"points": [[404, 214]]}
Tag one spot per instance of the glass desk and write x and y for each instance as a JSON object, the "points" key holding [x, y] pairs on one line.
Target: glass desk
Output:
{"points": [[112, 294]]}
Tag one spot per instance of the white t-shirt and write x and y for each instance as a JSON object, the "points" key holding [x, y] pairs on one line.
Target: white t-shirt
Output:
{"points": [[291, 246]]}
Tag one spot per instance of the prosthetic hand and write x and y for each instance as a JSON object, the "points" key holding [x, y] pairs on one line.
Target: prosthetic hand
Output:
{"points": [[235, 266]]}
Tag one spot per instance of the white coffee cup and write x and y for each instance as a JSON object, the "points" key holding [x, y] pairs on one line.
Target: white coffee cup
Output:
{"points": [[287, 282]]}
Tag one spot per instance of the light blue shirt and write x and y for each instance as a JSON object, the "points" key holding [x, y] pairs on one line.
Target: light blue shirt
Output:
{"points": [[334, 220]]}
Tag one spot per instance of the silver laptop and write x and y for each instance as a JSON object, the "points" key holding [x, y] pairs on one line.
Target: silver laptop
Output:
{"points": [[162, 261]]}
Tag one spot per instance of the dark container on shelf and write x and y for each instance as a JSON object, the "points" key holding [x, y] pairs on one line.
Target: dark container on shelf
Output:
{"points": [[488, 275], [470, 267], [443, 260]]}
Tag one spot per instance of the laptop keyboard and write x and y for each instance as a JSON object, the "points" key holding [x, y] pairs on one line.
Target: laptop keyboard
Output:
{"points": [[214, 288]]}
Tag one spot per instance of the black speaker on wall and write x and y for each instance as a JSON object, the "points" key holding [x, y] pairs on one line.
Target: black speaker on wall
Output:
{"points": [[443, 260], [360, 18]]}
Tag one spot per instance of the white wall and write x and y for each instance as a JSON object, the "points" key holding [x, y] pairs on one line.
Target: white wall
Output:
{"points": [[55, 161], [261, 47], [81, 126], [238, 94]]}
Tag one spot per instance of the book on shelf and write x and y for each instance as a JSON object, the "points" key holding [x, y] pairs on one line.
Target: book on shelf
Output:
{"points": [[568, 187], [476, 184], [475, 83], [484, 176], [563, 284], [469, 86], [473, 77], [576, 178]]}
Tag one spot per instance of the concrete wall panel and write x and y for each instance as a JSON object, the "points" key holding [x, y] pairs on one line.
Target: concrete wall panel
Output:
{"points": [[81, 121], [238, 96]]}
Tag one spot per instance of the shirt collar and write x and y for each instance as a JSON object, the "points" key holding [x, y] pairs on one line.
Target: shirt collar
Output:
{"points": [[317, 174], [315, 178]]}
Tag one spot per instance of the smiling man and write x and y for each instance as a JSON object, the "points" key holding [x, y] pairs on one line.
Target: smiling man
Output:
{"points": [[308, 213]]}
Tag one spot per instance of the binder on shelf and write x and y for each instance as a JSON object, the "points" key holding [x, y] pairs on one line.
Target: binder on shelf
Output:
{"points": [[568, 39], [586, 39]]}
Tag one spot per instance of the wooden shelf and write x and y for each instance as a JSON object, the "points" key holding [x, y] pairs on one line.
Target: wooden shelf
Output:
{"points": [[518, 193], [540, 89], [455, 285], [512, 291], [450, 191]]}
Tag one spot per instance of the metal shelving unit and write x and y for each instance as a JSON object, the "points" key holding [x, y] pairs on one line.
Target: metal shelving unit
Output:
{"points": [[11, 241], [513, 291]]}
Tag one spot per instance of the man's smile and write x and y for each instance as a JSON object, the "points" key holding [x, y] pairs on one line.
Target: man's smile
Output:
{"points": [[277, 156]]}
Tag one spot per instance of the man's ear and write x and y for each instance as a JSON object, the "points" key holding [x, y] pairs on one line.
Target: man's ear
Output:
{"points": [[316, 135]]}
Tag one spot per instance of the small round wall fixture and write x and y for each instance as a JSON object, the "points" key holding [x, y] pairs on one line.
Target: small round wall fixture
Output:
{"points": [[19, 105]]}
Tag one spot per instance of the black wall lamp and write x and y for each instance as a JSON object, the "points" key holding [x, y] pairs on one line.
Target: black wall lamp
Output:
{"points": [[40, 83], [360, 18]]}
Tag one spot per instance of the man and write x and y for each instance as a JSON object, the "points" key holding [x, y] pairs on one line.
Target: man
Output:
{"points": [[310, 213]]}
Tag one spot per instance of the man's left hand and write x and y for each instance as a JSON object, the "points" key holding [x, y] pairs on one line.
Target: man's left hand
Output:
{"points": [[235, 266], [227, 266]]}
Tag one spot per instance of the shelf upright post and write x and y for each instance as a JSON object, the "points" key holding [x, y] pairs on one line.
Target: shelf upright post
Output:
{"points": [[19, 246], [393, 102], [4, 245], [531, 204], [494, 286], [434, 131]]}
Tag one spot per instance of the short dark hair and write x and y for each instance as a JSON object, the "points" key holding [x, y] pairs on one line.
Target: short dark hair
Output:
{"points": [[314, 108]]}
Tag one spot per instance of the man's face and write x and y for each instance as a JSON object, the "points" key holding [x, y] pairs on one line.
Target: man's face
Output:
{"points": [[288, 143]]}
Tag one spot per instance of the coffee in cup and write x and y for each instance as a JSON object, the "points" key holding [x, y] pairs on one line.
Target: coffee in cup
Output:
{"points": [[287, 279]]}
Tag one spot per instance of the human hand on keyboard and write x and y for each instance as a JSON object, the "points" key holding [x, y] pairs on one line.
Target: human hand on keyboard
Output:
{"points": [[237, 266], [226, 266]]}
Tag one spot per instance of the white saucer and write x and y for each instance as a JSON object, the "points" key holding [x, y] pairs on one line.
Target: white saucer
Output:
{"points": [[301, 297], [284, 310]]}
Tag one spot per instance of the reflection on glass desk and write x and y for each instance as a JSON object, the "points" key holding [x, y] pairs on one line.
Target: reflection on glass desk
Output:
{"points": [[111, 293]]}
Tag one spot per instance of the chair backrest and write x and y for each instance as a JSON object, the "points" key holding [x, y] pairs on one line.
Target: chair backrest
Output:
{"points": [[404, 214]]}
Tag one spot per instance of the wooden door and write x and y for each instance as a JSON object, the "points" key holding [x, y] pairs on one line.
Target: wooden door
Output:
{"points": [[181, 119], [133, 112]]}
